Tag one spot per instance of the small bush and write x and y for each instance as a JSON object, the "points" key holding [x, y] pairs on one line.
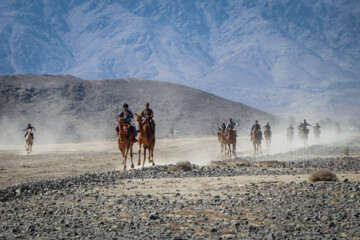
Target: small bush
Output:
{"points": [[323, 175], [346, 151], [180, 166]]}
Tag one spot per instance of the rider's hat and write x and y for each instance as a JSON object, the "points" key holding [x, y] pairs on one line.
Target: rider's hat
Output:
{"points": [[29, 125], [125, 105]]}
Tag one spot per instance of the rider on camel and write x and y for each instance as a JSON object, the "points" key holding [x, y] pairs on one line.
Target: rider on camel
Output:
{"points": [[148, 114], [128, 116], [267, 128], [256, 127], [290, 130], [317, 126], [31, 128], [304, 126]]}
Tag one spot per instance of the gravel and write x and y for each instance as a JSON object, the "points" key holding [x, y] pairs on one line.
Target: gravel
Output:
{"points": [[70, 208]]}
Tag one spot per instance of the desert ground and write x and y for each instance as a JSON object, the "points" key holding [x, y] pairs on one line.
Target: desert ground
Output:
{"points": [[79, 190]]}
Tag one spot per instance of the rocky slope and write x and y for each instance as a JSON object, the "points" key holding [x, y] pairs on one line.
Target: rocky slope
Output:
{"points": [[65, 106]]}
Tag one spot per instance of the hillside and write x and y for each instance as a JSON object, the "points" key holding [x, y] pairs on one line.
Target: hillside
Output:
{"points": [[69, 108]]}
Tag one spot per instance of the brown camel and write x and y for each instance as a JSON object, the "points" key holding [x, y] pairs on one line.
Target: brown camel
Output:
{"points": [[28, 142], [303, 133], [125, 140], [228, 139], [222, 139], [317, 133], [146, 139], [267, 135], [256, 139]]}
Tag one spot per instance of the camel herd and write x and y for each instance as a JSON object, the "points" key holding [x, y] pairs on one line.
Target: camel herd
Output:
{"points": [[227, 139]]}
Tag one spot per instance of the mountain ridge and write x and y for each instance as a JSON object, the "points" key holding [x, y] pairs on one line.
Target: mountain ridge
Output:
{"points": [[229, 48]]}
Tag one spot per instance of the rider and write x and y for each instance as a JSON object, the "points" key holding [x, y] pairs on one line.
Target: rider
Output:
{"points": [[128, 116], [148, 114], [317, 126], [231, 124], [290, 130], [31, 128], [305, 124], [257, 127], [267, 128]]}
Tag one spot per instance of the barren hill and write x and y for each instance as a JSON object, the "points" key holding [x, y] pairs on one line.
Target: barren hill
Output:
{"points": [[68, 108]]}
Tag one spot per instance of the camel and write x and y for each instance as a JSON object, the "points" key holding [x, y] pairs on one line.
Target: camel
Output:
{"points": [[290, 137], [231, 140], [125, 141], [28, 142], [267, 135], [146, 139], [303, 133], [222, 140], [317, 133], [256, 139], [228, 139]]}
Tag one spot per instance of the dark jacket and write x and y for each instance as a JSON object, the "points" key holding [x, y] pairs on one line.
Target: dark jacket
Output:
{"points": [[147, 112], [32, 128], [127, 115], [256, 126]]}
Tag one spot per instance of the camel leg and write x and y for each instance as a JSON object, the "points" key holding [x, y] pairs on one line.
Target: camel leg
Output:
{"points": [[139, 161], [125, 156], [144, 156], [229, 146], [149, 156], [124, 162], [152, 155], [234, 147], [131, 157]]}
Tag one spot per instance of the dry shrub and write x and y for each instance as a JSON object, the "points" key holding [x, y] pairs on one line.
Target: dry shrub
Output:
{"points": [[347, 151], [180, 166], [323, 175]]}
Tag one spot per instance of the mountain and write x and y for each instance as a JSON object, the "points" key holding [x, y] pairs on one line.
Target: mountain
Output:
{"points": [[66, 108], [285, 57]]}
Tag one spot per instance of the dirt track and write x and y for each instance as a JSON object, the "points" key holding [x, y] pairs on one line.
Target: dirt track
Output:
{"points": [[49, 161], [58, 160]]}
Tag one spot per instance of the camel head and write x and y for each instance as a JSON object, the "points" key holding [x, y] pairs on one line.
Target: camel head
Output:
{"points": [[138, 118], [121, 120]]}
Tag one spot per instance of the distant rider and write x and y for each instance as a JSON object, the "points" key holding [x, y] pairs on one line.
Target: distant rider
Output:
{"points": [[267, 129], [290, 130], [305, 124], [317, 127], [31, 128], [231, 124], [128, 116]]}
